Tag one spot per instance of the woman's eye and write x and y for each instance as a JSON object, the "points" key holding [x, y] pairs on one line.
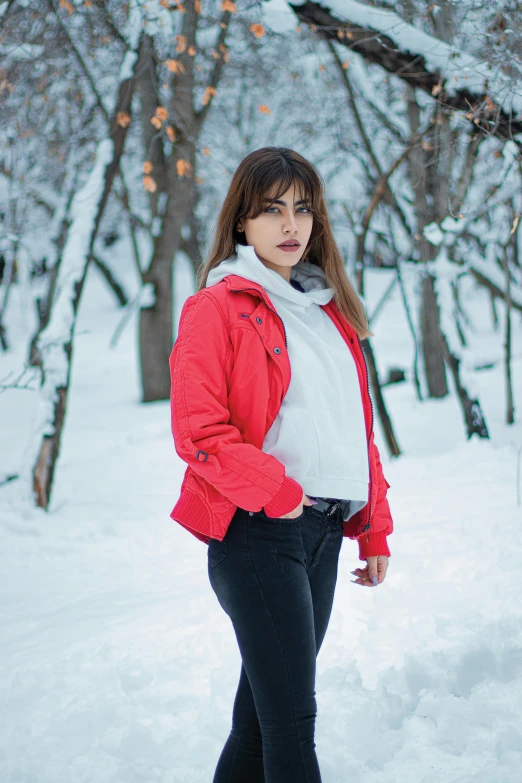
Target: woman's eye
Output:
{"points": [[300, 209]]}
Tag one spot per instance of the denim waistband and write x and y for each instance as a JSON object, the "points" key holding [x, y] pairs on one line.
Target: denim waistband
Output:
{"points": [[330, 505]]}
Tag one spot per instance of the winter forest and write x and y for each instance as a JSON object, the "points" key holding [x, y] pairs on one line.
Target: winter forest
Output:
{"points": [[121, 124]]}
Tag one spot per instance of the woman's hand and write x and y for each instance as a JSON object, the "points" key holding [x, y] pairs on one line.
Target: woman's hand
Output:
{"points": [[373, 574], [305, 501]]}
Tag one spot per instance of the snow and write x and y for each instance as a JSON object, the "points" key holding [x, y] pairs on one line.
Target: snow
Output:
{"points": [[127, 66], [446, 234], [120, 665], [277, 16], [457, 69]]}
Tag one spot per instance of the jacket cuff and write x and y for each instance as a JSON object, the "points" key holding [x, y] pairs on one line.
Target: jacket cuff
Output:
{"points": [[288, 497], [372, 544]]}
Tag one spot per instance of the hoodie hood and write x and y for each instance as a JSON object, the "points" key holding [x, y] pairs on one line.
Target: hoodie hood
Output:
{"points": [[310, 278]]}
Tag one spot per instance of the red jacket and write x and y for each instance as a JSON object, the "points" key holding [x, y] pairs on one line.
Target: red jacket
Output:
{"points": [[230, 371]]}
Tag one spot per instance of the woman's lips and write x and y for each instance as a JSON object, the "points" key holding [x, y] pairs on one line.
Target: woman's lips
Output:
{"points": [[289, 248]]}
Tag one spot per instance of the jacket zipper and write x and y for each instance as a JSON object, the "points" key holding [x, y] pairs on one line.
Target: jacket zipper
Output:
{"points": [[241, 290], [371, 430]]}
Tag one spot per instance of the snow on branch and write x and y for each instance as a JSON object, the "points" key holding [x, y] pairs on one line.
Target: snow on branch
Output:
{"points": [[458, 80], [485, 272]]}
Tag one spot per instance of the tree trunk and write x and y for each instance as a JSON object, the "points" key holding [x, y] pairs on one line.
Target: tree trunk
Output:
{"points": [[494, 313], [156, 329], [432, 347], [110, 279], [510, 406], [56, 340], [387, 426], [471, 410], [413, 331], [473, 416]]}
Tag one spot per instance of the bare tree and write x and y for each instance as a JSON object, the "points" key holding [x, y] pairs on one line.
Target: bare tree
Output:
{"points": [[171, 142], [55, 343]]}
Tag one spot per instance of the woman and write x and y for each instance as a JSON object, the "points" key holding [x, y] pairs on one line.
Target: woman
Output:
{"points": [[271, 410]]}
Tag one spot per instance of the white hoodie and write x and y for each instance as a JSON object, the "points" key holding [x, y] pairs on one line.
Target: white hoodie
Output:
{"points": [[319, 433]]}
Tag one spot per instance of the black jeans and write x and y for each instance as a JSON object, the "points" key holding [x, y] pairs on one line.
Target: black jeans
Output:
{"points": [[275, 579]]}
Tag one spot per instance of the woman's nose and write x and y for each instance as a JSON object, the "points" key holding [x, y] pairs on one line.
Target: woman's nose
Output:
{"points": [[290, 224]]}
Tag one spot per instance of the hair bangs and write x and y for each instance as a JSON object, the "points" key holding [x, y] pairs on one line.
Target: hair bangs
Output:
{"points": [[275, 181]]}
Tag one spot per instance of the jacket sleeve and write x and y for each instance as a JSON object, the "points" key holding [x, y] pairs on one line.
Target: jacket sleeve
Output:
{"points": [[204, 438], [375, 542]]}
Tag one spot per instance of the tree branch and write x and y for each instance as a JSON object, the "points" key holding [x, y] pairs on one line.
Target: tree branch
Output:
{"points": [[384, 49], [216, 73], [82, 62]]}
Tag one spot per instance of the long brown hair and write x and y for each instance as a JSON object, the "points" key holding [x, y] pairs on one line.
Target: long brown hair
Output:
{"points": [[272, 170]]}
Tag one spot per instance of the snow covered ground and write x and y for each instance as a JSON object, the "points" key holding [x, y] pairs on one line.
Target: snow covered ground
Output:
{"points": [[118, 664]]}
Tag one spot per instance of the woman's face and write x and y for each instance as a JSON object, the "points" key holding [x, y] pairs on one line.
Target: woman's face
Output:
{"points": [[283, 221]]}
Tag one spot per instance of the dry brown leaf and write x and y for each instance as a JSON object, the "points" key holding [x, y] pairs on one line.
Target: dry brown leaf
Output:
{"points": [[191, 50], [147, 167], [67, 5], [206, 150], [208, 93], [228, 5], [263, 108], [5, 85], [346, 65], [340, 33], [181, 41], [169, 130], [215, 55], [257, 29], [321, 67], [183, 168], [197, 6], [123, 119], [87, 3], [149, 184], [175, 66], [156, 122], [436, 89], [161, 113]]}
